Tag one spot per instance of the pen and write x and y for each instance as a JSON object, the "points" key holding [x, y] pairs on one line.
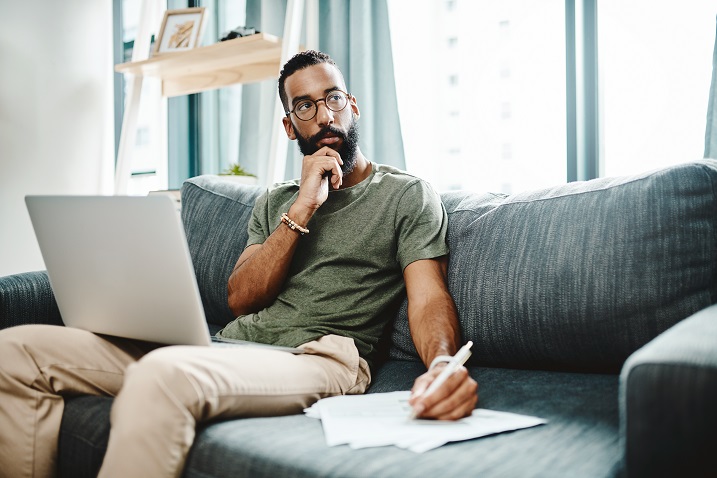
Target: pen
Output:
{"points": [[458, 359]]}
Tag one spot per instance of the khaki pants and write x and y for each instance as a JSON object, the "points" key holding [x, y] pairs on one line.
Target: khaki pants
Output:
{"points": [[162, 392]]}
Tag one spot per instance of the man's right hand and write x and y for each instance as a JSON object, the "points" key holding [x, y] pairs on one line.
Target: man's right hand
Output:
{"points": [[319, 171]]}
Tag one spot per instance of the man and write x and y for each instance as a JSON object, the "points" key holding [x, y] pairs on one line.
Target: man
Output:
{"points": [[327, 261]]}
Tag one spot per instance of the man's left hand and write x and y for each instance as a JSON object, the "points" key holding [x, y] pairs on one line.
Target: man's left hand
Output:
{"points": [[453, 400]]}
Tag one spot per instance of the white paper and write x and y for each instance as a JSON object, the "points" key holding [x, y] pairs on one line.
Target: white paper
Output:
{"points": [[381, 419]]}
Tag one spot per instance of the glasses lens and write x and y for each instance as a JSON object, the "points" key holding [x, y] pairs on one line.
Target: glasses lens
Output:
{"points": [[336, 101], [305, 110]]}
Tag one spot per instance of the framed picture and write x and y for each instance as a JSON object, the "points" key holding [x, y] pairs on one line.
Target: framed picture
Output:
{"points": [[181, 30]]}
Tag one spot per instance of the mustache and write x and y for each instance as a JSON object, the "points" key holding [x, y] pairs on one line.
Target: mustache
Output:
{"points": [[325, 131]]}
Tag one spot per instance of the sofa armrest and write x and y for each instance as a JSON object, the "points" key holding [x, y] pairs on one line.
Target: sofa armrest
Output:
{"points": [[668, 392], [27, 298]]}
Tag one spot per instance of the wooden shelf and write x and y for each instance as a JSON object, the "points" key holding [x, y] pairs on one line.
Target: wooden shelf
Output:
{"points": [[241, 60]]}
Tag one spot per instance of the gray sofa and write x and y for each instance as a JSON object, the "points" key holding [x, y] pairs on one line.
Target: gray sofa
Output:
{"points": [[590, 305]]}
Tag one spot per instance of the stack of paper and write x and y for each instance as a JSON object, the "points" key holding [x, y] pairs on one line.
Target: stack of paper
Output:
{"points": [[381, 419]]}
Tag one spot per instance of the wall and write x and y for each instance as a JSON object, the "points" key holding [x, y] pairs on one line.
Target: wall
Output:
{"points": [[56, 105]]}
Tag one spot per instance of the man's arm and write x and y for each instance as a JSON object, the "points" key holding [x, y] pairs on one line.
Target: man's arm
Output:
{"points": [[433, 320], [261, 269]]}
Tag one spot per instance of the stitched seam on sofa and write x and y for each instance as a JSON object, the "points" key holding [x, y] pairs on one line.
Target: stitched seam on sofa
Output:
{"points": [[706, 367], [499, 196], [189, 183], [703, 167], [608, 186], [706, 169]]}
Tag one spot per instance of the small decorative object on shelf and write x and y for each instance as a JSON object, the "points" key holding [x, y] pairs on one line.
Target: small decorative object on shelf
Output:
{"points": [[181, 30], [239, 32], [238, 174], [236, 170]]}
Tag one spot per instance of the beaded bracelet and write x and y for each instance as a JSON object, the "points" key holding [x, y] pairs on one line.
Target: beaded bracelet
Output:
{"points": [[292, 225]]}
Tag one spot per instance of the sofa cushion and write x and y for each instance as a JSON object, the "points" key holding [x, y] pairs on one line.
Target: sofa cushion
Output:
{"points": [[84, 433], [216, 214], [581, 275], [580, 438]]}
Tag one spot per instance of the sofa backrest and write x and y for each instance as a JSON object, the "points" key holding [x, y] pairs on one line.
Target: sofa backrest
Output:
{"points": [[576, 277], [579, 276], [216, 214]]}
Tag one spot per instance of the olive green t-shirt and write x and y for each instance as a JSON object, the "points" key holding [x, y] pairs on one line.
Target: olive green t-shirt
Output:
{"points": [[346, 276]]}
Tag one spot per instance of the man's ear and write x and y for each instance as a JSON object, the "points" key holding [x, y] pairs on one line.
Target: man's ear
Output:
{"points": [[354, 106], [289, 128]]}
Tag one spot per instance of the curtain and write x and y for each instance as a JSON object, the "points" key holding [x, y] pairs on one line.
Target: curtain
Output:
{"points": [[355, 33], [711, 130]]}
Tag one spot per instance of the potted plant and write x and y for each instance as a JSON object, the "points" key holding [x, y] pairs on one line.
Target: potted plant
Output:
{"points": [[235, 172]]}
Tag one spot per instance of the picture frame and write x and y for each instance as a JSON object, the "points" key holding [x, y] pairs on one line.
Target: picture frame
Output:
{"points": [[181, 30]]}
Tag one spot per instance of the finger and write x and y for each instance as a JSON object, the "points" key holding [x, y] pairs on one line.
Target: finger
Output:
{"points": [[326, 167], [419, 387], [462, 410], [456, 390], [326, 151], [457, 405], [424, 381], [332, 168]]}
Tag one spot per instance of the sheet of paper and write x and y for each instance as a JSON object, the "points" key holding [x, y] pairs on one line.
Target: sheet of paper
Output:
{"points": [[381, 419]]}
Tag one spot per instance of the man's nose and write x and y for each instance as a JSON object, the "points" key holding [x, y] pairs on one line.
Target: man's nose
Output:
{"points": [[324, 116]]}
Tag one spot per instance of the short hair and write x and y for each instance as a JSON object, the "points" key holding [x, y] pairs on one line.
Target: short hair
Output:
{"points": [[298, 62]]}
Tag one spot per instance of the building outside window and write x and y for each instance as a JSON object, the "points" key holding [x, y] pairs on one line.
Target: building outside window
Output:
{"points": [[503, 106], [654, 64]]}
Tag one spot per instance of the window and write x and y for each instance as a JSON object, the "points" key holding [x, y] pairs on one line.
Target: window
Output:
{"points": [[221, 122], [654, 69], [655, 61], [149, 156], [201, 133], [481, 91]]}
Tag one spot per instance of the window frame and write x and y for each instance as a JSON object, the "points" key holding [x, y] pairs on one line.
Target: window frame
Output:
{"points": [[582, 100]]}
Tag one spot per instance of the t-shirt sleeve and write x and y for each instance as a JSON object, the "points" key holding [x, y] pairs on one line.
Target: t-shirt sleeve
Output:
{"points": [[259, 222], [422, 223]]}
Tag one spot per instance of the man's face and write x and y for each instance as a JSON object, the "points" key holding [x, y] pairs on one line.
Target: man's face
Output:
{"points": [[336, 129]]}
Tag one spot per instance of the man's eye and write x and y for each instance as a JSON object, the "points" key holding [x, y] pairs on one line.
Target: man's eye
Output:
{"points": [[305, 106], [335, 97]]}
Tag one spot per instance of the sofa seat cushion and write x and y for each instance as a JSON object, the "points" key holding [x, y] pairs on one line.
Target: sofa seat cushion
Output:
{"points": [[581, 438], [579, 276]]}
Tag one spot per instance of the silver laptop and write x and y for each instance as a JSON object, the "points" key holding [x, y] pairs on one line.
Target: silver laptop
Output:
{"points": [[120, 265]]}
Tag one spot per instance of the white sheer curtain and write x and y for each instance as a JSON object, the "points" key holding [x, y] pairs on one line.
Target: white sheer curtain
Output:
{"points": [[355, 34]]}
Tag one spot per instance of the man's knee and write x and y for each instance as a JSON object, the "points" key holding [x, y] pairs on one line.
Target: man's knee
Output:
{"points": [[17, 365], [17, 340], [30, 332], [159, 377]]}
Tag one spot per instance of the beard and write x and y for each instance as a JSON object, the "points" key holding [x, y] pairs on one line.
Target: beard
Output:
{"points": [[348, 149]]}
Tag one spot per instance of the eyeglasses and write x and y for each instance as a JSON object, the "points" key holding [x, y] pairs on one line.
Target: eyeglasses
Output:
{"points": [[306, 109]]}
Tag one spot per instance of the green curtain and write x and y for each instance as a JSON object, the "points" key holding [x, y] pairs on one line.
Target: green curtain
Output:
{"points": [[711, 130], [355, 33]]}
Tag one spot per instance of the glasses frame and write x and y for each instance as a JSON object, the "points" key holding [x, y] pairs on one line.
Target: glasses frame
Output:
{"points": [[316, 104]]}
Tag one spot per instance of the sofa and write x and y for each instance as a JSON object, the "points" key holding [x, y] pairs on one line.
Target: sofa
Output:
{"points": [[590, 304]]}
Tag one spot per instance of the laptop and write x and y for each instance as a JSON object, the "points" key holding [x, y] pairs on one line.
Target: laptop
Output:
{"points": [[120, 265]]}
